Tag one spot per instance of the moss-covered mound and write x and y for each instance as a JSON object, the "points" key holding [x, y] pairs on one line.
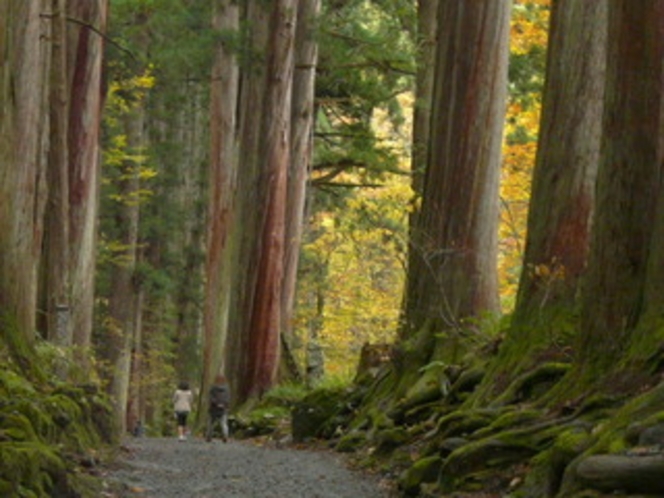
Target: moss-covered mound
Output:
{"points": [[51, 434]]}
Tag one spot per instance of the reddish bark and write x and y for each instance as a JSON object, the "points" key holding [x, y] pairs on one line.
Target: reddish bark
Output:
{"points": [[452, 274], [223, 105], [264, 323], [85, 52]]}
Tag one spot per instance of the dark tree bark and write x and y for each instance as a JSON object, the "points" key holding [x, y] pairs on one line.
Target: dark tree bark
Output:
{"points": [[427, 22], [624, 248], [55, 264], [84, 61]]}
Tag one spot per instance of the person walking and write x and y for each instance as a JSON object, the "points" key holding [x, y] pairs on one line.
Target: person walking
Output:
{"points": [[219, 403], [182, 401]]}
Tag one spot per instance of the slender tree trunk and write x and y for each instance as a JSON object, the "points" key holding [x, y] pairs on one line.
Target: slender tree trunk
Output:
{"points": [[304, 76], [56, 244], [427, 23], [124, 292], [191, 131], [135, 405], [85, 51], [453, 277]]}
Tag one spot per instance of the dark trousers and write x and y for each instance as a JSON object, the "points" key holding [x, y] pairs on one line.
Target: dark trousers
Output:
{"points": [[217, 418]]}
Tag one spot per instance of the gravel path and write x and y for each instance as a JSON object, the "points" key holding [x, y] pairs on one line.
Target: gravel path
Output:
{"points": [[167, 468]]}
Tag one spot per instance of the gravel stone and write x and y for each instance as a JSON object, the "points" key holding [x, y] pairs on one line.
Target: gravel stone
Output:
{"points": [[168, 468]]}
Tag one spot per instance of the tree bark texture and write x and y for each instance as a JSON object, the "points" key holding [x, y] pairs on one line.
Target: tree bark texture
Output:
{"points": [[23, 94], [427, 22], [304, 77], [628, 185], [562, 196], [223, 173], [245, 233], [84, 61], [55, 267], [452, 275], [263, 344], [123, 301]]}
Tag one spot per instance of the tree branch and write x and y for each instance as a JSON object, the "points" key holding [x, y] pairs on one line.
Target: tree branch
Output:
{"points": [[94, 29]]}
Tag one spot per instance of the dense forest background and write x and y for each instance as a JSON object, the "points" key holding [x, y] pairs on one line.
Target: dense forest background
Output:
{"points": [[275, 190]]}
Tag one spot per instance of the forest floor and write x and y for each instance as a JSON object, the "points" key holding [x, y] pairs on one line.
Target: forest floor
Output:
{"points": [[168, 468]]}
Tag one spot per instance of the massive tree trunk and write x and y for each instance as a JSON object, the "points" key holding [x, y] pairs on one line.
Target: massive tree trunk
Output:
{"points": [[624, 247], [243, 238], [274, 151], [22, 166], [452, 276], [223, 172], [264, 145], [304, 76], [562, 196]]}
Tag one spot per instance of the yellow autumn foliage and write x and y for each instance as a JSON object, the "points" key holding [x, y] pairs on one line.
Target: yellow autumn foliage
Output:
{"points": [[364, 261]]}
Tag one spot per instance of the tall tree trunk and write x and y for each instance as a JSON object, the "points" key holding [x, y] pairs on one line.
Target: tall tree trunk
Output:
{"points": [[243, 259], [304, 76], [263, 344], [563, 188], [135, 405], [55, 290], [85, 51], [22, 172], [191, 131], [223, 166], [427, 23], [628, 188], [453, 277], [124, 292]]}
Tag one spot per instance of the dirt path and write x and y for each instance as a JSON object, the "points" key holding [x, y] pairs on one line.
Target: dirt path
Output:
{"points": [[167, 468]]}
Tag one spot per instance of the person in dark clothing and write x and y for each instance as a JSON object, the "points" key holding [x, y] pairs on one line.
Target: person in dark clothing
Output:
{"points": [[219, 403]]}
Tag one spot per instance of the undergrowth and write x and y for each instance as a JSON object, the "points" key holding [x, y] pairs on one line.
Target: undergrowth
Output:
{"points": [[50, 432]]}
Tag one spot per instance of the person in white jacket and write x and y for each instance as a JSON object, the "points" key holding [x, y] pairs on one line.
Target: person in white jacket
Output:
{"points": [[182, 401]]}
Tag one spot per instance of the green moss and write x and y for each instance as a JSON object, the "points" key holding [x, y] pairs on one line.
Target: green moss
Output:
{"points": [[30, 465], [425, 470], [389, 439], [513, 417], [45, 429], [464, 422], [351, 442]]}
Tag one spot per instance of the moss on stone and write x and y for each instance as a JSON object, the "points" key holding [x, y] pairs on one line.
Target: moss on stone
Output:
{"points": [[424, 470], [388, 439], [514, 416], [45, 430], [351, 442]]}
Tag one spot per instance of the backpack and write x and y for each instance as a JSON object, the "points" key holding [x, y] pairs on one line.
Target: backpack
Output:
{"points": [[219, 397]]}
